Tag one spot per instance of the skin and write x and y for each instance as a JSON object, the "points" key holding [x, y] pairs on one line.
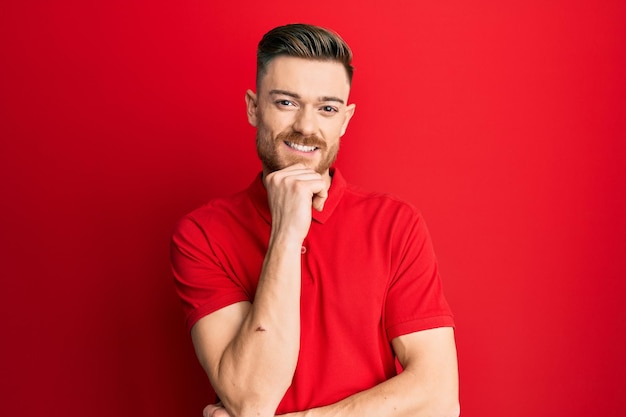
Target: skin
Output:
{"points": [[307, 100], [250, 351]]}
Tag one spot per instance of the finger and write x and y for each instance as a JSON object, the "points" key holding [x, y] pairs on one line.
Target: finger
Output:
{"points": [[220, 412], [292, 178], [290, 171], [212, 410], [319, 199]]}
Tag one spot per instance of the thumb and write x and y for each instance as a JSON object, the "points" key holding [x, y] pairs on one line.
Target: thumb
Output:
{"points": [[319, 199]]}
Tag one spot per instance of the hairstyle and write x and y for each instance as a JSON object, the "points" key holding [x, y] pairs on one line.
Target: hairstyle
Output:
{"points": [[302, 41]]}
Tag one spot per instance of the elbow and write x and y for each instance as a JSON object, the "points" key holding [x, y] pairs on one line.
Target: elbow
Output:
{"points": [[251, 404], [449, 409], [454, 410], [250, 411]]}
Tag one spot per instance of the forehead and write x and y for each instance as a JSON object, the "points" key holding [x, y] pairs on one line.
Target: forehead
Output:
{"points": [[306, 77]]}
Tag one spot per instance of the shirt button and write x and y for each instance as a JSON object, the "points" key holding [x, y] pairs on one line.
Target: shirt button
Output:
{"points": [[303, 250]]}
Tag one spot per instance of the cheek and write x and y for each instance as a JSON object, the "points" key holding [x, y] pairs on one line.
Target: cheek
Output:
{"points": [[272, 116], [274, 124], [332, 129]]}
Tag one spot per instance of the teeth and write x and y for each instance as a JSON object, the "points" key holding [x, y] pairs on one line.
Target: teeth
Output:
{"points": [[301, 148]]}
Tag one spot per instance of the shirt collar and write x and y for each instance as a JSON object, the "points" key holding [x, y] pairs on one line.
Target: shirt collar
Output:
{"points": [[258, 195]]}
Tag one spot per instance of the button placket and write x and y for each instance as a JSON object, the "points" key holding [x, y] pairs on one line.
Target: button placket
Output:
{"points": [[306, 272]]}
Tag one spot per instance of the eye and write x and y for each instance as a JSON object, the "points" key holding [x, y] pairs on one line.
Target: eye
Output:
{"points": [[329, 109], [285, 103]]}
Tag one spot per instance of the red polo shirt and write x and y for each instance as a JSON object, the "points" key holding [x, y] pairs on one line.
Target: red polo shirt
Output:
{"points": [[369, 274]]}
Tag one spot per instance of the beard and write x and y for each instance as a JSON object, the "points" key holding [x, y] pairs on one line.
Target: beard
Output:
{"points": [[267, 149]]}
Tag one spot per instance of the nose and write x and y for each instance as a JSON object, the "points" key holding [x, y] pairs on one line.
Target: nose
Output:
{"points": [[305, 122]]}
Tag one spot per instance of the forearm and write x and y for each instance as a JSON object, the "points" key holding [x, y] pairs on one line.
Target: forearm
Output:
{"points": [[428, 386], [257, 367], [250, 351], [397, 397]]}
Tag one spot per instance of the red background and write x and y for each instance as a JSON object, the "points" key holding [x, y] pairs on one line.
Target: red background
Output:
{"points": [[503, 121]]}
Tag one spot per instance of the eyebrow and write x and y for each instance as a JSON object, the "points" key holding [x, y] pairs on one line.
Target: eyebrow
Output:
{"points": [[297, 96]]}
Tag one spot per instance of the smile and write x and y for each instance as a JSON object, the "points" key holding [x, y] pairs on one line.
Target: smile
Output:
{"points": [[301, 148]]}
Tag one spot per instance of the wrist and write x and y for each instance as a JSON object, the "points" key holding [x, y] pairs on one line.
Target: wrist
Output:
{"points": [[286, 242]]}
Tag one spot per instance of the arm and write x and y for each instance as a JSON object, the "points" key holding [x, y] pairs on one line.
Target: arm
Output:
{"points": [[249, 351], [428, 386]]}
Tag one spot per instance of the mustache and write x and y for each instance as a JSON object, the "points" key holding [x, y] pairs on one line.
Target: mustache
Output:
{"points": [[298, 138]]}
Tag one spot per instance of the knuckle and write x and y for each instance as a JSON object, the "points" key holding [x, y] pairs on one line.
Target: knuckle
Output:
{"points": [[300, 186]]}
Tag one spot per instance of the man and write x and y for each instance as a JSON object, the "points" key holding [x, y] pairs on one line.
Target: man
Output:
{"points": [[302, 291]]}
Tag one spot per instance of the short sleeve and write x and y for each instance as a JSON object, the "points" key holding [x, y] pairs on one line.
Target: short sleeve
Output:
{"points": [[415, 299], [202, 283]]}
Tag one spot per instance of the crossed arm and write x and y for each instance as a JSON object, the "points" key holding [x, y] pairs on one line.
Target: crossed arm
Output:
{"points": [[250, 350], [428, 386]]}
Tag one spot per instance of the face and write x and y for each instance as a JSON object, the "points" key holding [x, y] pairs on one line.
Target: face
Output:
{"points": [[300, 112]]}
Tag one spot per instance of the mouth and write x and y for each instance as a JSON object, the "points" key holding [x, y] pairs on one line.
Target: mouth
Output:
{"points": [[301, 148]]}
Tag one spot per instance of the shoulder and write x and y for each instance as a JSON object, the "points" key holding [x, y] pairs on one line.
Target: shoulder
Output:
{"points": [[215, 216], [380, 204], [220, 207]]}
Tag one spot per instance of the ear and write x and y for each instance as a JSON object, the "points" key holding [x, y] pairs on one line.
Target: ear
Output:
{"points": [[349, 113], [251, 107]]}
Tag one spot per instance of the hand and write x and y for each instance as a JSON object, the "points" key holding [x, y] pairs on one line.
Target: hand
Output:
{"points": [[218, 410], [215, 410], [291, 193]]}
